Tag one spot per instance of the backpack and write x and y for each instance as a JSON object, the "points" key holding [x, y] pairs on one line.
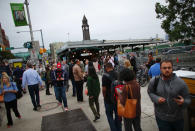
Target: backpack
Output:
{"points": [[19, 93], [156, 82], [115, 87]]}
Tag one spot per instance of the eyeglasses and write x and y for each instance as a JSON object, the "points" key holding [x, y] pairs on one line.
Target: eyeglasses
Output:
{"points": [[167, 68]]}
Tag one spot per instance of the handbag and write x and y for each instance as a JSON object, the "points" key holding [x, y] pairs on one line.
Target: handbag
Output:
{"points": [[120, 108], [130, 105], [19, 94], [86, 91], [1, 98]]}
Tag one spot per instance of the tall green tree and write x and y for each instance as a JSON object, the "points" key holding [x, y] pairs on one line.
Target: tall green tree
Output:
{"points": [[178, 19]]}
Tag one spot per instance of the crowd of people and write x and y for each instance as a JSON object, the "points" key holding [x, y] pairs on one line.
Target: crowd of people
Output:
{"points": [[168, 92]]}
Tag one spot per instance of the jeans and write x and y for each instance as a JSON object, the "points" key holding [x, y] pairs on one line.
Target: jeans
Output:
{"points": [[170, 126], [34, 92], [96, 111], [135, 122], [79, 89], [114, 123], [8, 106], [60, 93]]}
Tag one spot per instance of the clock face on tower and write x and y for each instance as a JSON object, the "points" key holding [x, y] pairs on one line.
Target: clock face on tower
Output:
{"points": [[86, 28]]}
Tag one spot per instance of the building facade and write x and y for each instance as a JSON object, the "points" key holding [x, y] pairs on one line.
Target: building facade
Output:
{"points": [[4, 40], [53, 49]]}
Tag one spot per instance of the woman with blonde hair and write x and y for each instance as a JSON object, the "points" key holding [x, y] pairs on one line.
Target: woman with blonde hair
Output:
{"points": [[127, 64], [9, 90]]}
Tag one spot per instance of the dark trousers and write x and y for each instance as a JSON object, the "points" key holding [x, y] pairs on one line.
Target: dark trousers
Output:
{"points": [[73, 87], [114, 123], [34, 92], [47, 84], [79, 89], [8, 106], [96, 111], [170, 126], [135, 122], [19, 83]]}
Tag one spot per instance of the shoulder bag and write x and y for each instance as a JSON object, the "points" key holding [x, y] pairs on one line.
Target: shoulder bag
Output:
{"points": [[130, 105]]}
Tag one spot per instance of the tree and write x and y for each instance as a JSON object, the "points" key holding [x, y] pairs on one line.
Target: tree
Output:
{"points": [[6, 55], [178, 19]]}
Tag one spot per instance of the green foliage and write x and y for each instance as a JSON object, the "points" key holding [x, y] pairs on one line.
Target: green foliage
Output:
{"points": [[6, 55], [178, 19]]}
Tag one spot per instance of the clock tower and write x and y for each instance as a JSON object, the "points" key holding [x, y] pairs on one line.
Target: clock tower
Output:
{"points": [[85, 29]]}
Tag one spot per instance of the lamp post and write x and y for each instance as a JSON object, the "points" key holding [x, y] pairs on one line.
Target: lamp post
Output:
{"points": [[33, 53], [41, 39], [35, 31]]}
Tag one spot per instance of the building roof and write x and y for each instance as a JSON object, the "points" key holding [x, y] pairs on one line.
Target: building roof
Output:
{"points": [[103, 43]]}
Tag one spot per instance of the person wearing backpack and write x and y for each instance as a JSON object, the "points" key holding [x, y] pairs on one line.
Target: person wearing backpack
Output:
{"points": [[93, 86], [170, 96], [128, 76], [9, 90], [58, 78], [110, 107]]}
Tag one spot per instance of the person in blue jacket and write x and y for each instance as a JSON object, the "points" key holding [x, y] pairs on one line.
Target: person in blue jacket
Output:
{"points": [[9, 90]]}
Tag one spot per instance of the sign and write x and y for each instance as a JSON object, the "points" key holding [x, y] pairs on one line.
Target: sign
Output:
{"points": [[18, 14], [45, 55], [19, 64]]}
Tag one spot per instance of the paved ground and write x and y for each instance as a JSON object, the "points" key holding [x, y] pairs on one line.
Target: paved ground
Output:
{"points": [[31, 120]]}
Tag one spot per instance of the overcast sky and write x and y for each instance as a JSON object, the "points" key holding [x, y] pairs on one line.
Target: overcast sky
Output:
{"points": [[107, 19]]}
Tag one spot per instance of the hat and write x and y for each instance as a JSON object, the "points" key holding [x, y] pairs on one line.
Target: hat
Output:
{"points": [[59, 65]]}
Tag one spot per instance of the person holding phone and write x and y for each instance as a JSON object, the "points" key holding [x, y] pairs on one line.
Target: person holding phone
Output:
{"points": [[9, 90], [170, 97]]}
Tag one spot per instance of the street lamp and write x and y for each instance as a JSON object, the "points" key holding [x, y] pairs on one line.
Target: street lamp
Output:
{"points": [[35, 31]]}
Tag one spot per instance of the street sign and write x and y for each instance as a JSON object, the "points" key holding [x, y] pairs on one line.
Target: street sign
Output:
{"points": [[28, 45], [45, 55]]}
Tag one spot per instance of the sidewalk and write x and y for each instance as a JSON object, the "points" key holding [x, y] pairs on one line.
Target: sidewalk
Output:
{"points": [[31, 120]]}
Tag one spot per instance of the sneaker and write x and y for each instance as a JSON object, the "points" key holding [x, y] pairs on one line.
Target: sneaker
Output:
{"points": [[9, 125], [96, 118], [19, 117], [35, 109], [66, 108]]}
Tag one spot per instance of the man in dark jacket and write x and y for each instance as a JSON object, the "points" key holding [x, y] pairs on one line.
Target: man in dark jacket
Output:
{"points": [[17, 74], [110, 107], [170, 96], [150, 61]]}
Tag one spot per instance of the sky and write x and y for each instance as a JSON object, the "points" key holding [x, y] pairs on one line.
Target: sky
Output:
{"points": [[107, 19]]}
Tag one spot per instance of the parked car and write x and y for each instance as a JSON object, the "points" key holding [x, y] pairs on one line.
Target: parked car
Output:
{"points": [[173, 51]]}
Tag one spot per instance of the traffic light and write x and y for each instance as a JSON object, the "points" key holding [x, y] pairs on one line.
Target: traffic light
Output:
{"points": [[28, 45], [44, 50], [41, 51]]}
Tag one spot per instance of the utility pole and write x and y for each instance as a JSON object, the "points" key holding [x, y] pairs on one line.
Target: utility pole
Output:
{"points": [[33, 52], [42, 38]]}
